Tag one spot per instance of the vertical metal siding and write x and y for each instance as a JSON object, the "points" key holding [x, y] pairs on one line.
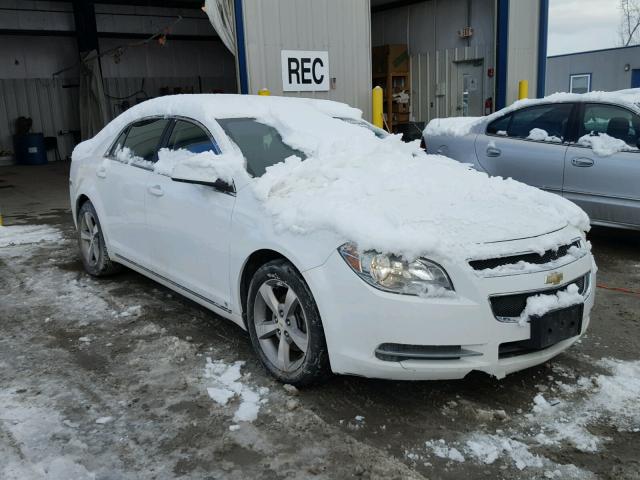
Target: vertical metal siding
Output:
{"points": [[339, 27]]}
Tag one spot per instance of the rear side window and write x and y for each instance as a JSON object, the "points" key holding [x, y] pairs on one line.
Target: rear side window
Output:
{"points": [[540, 122], [614, 121], [189, 136], [260, 144], [143, 139]]}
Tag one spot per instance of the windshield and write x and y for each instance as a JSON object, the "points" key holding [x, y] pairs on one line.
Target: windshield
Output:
{"points": [[260, 144]]}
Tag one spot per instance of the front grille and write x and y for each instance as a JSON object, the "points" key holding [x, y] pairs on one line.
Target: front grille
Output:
{"points": [[511, 306], [548, 256]]}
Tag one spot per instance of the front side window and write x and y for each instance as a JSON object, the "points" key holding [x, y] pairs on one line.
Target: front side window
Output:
{"points": [[580, 83], [189, 136], [499, 126], [541, 122], [261, 145], [142, 140], [616, 122]]}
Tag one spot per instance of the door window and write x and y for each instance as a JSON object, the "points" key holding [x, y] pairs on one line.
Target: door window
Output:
{"points": [[189, 136], [547, 123], [616, 122], [141, 144]]}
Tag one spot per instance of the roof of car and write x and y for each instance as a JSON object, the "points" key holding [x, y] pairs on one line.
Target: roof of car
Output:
{"points": [[207, 107]]}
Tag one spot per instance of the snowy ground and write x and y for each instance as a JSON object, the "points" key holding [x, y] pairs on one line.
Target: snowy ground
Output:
{"points": [[121, 378]]}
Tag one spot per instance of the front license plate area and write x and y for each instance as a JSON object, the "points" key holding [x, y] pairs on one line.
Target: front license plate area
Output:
{"points": [[553, 327]]}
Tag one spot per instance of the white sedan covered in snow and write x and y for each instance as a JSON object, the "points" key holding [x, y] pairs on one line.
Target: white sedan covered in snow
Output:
{"points": [[339, 251]]}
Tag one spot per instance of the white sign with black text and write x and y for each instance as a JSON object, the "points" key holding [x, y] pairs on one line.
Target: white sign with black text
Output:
{"points": [[304, 71]]}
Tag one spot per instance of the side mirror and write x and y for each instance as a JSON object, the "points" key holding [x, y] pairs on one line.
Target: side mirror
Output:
{"points": [[186, 174]]}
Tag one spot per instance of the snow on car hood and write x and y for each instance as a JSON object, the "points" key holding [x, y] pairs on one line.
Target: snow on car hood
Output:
{"points": [[390, 196]]}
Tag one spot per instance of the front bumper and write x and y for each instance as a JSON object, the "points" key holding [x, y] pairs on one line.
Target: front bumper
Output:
{"points": [[358, 318]]}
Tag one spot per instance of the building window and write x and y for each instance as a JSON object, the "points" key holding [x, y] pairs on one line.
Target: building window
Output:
{"points": [[580, 83]]}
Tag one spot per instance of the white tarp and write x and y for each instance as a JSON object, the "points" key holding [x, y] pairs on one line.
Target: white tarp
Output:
{"points": [[220, 13]]}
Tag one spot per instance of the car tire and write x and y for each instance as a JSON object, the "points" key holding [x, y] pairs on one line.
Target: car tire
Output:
{"points": [[93, 250], [285, 326]]}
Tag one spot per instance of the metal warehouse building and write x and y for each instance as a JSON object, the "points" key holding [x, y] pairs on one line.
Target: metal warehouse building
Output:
{"points": [[606, 70], [453, 57]]}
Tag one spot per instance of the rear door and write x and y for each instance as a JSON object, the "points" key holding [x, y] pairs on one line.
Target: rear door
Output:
{"points": [[528, 145], [606, 184], [122, 184], [190, 223]]}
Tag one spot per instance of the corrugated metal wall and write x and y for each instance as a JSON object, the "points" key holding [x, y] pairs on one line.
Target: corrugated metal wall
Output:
{"points": [[340, 27], [522, 62], [51, 106]]}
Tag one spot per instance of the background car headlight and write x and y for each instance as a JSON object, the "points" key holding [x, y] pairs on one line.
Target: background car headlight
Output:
{"points": [[394, 274]]}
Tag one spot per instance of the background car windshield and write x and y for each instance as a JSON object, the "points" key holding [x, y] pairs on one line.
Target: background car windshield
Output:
{"points": [[260, 144]]}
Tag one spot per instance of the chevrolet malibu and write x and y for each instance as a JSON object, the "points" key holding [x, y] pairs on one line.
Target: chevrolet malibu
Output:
{"points": [[337, 249]]}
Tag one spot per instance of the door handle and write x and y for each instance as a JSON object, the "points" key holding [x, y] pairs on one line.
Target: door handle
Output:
{"points": [[156, 190], [582, 162], [101, 172], [493, 152]]}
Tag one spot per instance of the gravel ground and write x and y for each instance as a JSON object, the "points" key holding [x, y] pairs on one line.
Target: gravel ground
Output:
{"points": [[109, 379]]}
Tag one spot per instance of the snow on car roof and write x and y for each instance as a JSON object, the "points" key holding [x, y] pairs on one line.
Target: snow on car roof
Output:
{"points": [[207, 107], [460, 126], [380, 193]]}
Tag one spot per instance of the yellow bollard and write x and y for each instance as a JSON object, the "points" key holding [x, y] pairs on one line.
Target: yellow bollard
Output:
{"points": [[264, 91], [523, 89], [376, 97]]}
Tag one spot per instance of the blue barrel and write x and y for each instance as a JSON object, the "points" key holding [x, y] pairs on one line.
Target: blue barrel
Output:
{"points": [[29, 149]]}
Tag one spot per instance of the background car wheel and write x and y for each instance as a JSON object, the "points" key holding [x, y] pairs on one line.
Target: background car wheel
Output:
{"points": [[93, 250], [285, 326]]}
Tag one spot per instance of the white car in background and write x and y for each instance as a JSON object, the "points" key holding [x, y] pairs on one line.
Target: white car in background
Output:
{"points": [[585, 147], [338, 250]]}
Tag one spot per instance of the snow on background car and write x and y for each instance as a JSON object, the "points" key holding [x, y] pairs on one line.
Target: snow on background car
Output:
{"points": [[602, 144]]}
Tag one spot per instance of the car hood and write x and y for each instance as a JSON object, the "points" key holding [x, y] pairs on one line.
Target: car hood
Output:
{"points": [[395, 198]]}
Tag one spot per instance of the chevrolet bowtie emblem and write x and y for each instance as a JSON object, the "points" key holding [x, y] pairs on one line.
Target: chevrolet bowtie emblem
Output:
{"points": [[554, 278]]}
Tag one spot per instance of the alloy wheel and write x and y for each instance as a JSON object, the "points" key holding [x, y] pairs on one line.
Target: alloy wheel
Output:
{"points": [[89, 238], [281, 325]]}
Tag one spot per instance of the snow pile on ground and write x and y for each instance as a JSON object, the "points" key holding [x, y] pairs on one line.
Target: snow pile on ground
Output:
{"points": [[488, 448], [539, 305], [541, 135], [226, 384], [26, 234], [442, 450], [204, 166], [603, 145], [611, 398]]}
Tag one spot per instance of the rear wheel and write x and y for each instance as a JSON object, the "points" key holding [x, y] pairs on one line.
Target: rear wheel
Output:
{"points": [[285, 326], [93, 249]]}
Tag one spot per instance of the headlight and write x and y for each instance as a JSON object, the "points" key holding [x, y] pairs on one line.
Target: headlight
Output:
{"points": [[394, 274]]}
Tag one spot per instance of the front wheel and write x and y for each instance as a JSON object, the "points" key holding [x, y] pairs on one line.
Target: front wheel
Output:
{"points": [[285, 327], [93, 249]]}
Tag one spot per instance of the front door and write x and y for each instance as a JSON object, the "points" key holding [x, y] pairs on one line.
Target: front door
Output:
{"points": [[469, 99], [527, 145], [604, 181], [190, 223]]}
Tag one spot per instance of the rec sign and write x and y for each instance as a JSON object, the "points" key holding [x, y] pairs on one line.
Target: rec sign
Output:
{"points": [[304, 71]]}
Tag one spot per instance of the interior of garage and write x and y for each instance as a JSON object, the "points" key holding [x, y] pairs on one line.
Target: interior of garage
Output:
{"points": [[145, 49], [449, 57]]}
